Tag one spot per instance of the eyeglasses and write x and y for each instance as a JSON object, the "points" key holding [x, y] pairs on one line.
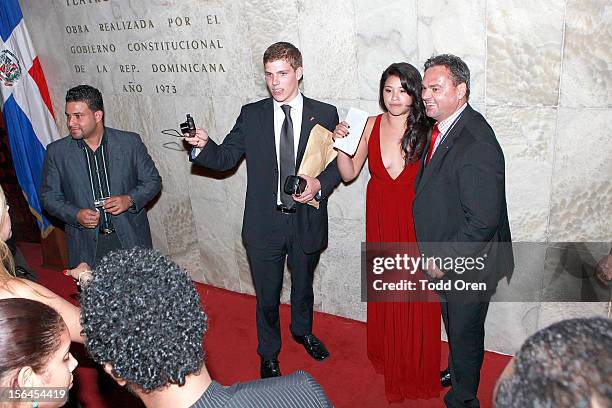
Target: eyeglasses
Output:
{"points": [[173, 145]]}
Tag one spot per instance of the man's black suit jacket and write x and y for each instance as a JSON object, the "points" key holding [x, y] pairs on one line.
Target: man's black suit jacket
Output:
{"points": [[460, 200], [253, 137]]}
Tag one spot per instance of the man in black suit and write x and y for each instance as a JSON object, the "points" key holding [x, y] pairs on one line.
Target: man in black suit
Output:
{"points": [[272, 134], [460, 213], [98, 164]]}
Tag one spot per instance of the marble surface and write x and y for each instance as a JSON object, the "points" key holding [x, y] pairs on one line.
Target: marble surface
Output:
{"points": [[158, 233], [340, 267], [380, 41], [586, 80], [331, 61], [215, 241], [543, 83], [526, 136], [456, 27], [552, 312], [581, 201], [524, 51], [181, 235], [508, 324]]}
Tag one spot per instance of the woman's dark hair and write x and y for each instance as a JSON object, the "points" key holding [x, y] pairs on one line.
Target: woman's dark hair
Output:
{"points": [[30, 333], [417, 124]]}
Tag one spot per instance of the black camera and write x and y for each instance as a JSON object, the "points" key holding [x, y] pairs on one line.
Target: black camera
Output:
{"points": [[188, 126], [294, 185]]}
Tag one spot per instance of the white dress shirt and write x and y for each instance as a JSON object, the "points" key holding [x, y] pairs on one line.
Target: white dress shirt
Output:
{"points": [[297, 106]]}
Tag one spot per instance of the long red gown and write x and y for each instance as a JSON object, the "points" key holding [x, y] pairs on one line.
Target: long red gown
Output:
{"points": [[403, 337]]}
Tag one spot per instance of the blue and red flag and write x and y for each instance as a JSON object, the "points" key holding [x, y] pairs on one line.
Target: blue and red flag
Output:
{"points": [[26, 105]]}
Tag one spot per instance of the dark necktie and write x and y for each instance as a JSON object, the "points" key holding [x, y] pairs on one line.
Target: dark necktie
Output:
{"points": [[287, 158]]}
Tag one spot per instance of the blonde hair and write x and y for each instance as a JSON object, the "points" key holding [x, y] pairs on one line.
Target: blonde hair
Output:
{"points": [[7, 265]]}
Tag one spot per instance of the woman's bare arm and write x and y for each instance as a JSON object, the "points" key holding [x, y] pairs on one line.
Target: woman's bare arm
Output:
{"points": [[350, 167], [17, 287]]}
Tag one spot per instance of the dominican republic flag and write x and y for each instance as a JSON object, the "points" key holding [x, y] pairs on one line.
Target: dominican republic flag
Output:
{"points": [[26, 105]]}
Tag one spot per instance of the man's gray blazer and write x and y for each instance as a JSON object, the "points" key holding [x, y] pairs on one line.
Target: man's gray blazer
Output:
{"points": [[65, 189], [297, 390]]}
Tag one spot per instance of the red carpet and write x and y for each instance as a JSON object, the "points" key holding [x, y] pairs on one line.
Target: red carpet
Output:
{"points": [[231, 342]]}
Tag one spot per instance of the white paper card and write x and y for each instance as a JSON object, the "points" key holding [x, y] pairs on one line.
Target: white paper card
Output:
{"points": [[357, 120]]}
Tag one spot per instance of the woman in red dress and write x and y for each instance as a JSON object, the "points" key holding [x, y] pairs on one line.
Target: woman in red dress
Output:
{"points": [[403, 337]]}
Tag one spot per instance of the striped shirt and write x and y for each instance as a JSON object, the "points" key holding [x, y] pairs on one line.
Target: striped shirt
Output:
{"points": [[298, 390], [446, 125], [98, 177]]}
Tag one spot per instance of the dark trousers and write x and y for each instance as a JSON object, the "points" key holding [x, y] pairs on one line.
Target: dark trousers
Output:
{"points": [[464, 324], [106, 244], [267, 267]]}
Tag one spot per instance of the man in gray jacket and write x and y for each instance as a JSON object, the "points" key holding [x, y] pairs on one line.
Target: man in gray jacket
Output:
{"points": [[97, 181]]}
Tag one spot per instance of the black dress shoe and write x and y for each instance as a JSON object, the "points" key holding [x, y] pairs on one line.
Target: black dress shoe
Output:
{"points": [[445, 378], [269, 368], [313, 346]]}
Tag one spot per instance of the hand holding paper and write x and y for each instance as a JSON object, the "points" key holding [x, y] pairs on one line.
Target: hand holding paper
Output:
{"points": [[356, 120]]}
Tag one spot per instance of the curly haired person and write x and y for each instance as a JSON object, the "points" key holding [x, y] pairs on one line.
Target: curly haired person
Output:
{"points": [[143, 322], [567, 364]]}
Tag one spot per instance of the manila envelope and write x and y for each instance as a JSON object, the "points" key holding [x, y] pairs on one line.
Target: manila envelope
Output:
{"points": [[318, 154]]}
